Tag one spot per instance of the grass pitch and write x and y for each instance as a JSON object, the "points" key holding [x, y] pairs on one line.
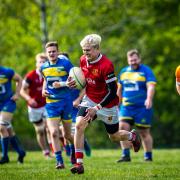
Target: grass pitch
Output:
{"points": [[101, 165]]}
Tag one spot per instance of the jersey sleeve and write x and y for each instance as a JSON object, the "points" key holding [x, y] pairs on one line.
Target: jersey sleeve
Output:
{"points": [[150, 77], [10, 73], [28, 78], [108, 73], [68, 66]]}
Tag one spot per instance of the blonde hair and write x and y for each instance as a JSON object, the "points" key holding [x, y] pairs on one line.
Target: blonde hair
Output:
{"points": [[41, 56], [93, 40]]}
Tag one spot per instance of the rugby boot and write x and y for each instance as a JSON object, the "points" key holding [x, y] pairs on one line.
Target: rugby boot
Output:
{"points": [[148, 159], [77, 168], [124, 159], [60, 166], [4, 160], [136, 140], [21, 157]]}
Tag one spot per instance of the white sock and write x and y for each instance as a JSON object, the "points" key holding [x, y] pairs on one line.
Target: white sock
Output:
{"points": [[130, 136]]}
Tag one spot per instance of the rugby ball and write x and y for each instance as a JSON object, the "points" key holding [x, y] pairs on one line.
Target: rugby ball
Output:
{"points": [[77, 74]]}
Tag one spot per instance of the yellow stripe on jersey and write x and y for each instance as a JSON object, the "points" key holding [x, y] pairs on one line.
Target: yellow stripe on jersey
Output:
{"points": [[67, 121], [125, 103], [135, 76], [54, 118], [54, 71], [151, 82], [51, 100], [143, 125], [3, 80]]}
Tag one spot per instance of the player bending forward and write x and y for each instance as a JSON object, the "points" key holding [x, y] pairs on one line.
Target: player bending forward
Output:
{"points": [[100, 101]]}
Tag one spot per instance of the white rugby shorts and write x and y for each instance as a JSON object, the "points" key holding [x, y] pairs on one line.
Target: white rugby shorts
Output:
{"points": [[107, 115], [36, 114]]}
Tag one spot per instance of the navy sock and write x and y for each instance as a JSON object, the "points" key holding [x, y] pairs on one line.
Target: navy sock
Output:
{"points": [[58, 156], [4, 145], [126, 152], [148, 155], [15, 145], [72, 149]]}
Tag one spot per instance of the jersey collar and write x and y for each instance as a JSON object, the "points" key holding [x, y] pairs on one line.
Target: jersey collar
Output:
{"points": [[95, 61]]}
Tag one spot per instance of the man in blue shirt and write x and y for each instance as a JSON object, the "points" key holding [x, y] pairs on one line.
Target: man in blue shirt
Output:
{"points": [[136, 88], [7, 107], [58, 98]]}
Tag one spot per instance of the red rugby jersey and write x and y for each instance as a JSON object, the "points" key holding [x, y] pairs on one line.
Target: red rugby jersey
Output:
{"points": [[35, 81], [98, 73]]}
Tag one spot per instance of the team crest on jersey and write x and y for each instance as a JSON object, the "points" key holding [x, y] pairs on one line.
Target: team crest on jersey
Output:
{"points": [[95, 72], [110, 118]]}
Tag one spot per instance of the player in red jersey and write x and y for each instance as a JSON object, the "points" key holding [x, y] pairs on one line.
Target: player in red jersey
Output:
{"points": [[100, 101], [32, 92]]}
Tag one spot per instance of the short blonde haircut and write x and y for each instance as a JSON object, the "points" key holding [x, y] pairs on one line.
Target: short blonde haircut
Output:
{"points": [[93, 40], [41, 56]]}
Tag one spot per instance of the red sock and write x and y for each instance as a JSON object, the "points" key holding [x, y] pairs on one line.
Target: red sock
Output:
{"points": [[79, 155], [51, 147]]}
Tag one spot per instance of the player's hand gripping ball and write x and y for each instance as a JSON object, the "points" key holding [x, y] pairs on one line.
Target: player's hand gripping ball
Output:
{"points": [[77, 75]]}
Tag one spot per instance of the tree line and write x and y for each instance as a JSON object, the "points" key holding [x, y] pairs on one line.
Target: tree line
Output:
{"points": [[152, 27]]}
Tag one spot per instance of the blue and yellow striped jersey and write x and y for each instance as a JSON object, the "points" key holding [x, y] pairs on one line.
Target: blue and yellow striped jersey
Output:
{"points": [[57, 72], [134, 84], [6, 75]]}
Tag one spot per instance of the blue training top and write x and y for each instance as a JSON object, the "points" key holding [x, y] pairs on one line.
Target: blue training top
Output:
{"points": [[133, 83], [57, 72], [6, 75]]}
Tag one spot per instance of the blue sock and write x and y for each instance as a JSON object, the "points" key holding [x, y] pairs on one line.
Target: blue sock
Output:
{"points": [[15, 145], [87, 148], [4, 145], [72, 149], [59, 158], [126, 153], [148, 155], [68, 149]]}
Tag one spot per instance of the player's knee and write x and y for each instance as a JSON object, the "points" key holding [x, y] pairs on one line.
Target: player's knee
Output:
{"points": [[54, 133], [40, 130], [124, 126], [114, 137], [145, 133], [80, 127], [4, 126], [67, 136], [2, 129]]}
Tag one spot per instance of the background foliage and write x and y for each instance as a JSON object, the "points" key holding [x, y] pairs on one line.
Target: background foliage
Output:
{"points": [[152, 26]]}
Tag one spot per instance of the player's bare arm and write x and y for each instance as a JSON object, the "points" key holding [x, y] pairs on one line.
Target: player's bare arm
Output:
{"points": [[150, 95], [77, 101], [119, 93], [44, 91], [25, 94], [17, 78]]}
